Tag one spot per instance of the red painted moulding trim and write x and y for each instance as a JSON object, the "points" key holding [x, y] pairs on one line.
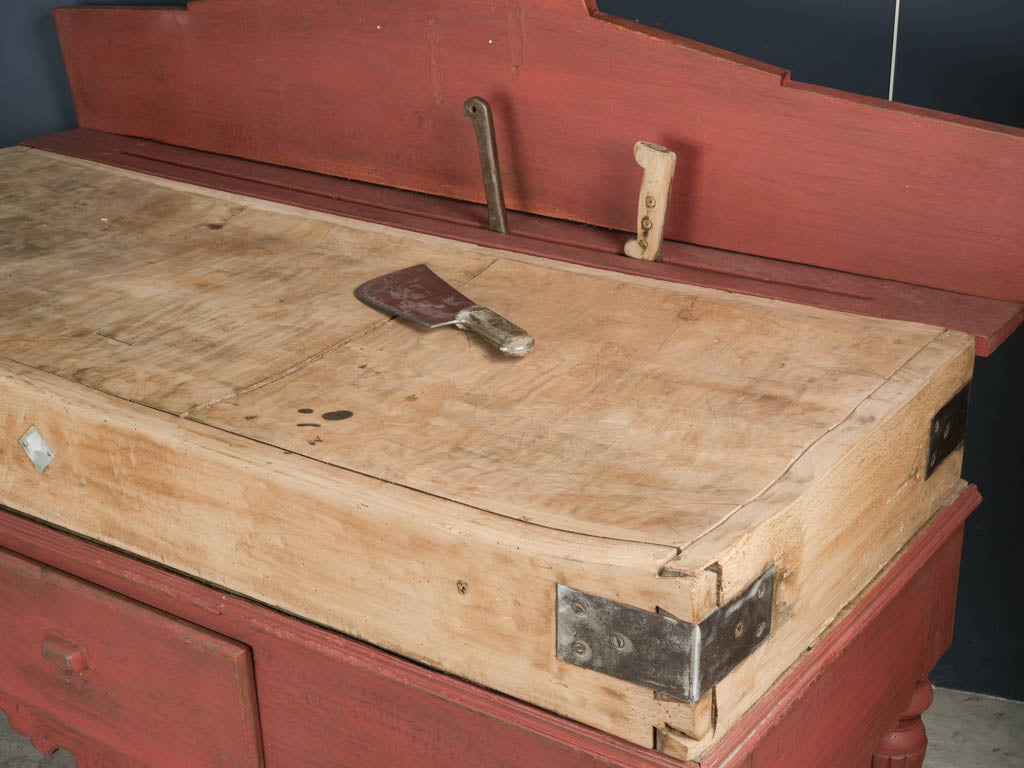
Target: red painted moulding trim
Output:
{"points": [[373, 92], [990, 321], [775, 733]]}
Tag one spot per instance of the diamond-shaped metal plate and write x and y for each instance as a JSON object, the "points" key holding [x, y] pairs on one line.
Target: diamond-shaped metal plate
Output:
{"points": [[39, 451]]}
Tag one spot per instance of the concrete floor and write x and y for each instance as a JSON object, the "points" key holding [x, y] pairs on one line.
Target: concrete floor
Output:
{"points": [[964, 730], [17, 752]]}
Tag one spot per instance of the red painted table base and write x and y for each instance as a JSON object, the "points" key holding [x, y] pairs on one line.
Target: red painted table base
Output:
{"points": [[326, 700], [904, 746]]}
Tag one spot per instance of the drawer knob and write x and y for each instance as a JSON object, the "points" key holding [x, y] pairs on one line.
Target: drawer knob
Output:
{"points": [[65, 655]]}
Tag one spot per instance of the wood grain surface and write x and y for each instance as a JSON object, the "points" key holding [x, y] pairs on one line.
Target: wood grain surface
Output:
{"points": [[660, 446], [372, 559], [990, 321], [374, 92], [325, 700]]}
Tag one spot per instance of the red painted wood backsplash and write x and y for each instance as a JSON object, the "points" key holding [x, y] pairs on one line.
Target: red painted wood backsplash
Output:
{"points": [[373, 91]]}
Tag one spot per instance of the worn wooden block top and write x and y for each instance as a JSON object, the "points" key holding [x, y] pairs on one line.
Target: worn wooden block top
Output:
{"points": [[187, 354]]}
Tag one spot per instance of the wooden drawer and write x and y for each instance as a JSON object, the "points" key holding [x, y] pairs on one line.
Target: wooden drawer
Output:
{"points": [[150, 686]]}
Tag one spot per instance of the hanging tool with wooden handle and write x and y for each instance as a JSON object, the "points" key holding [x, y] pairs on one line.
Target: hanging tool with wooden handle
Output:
{"points": [[416, 293], [659, 165]]}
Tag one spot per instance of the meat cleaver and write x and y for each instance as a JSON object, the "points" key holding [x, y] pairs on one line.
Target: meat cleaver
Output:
{"points": [[416, 293]]}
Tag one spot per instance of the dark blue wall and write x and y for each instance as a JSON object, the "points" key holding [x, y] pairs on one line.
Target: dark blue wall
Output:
{"points": [[839, 43], [963, 56], [34, 95]]}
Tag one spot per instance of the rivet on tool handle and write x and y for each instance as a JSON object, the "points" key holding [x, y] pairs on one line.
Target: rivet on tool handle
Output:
{"points": [[479, 111], [659, 165]]}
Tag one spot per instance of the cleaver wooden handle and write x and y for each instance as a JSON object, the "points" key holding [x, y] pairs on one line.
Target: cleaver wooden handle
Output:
{"points": [[508, 337]]}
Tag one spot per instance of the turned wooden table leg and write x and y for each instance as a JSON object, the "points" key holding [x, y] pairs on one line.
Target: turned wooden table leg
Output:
{"points": [[904, 746]]}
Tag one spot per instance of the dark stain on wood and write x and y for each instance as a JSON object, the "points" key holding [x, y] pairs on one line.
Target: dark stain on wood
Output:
{"points": [[336, 415]]}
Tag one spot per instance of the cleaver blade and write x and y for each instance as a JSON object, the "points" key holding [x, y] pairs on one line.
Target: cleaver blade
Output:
{"points": [[417, 293]]}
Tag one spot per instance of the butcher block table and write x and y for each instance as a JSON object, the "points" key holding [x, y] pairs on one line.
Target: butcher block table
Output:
{"points": [[712, 519], [252, 521]]}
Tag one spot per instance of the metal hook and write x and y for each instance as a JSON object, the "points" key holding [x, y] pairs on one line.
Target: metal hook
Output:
{"points": [[479, 111]]}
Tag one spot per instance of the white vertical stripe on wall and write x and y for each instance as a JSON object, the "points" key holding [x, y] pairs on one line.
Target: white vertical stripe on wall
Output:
{"points": [[895, 39]]}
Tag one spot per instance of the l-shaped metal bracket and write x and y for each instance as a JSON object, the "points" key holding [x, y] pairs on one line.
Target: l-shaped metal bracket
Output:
{"points": [[948, 429], [658, 651]]}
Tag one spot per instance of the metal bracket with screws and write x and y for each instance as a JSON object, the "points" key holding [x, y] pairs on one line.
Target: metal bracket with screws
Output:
{"points": [[948, 429], [658, 651]]}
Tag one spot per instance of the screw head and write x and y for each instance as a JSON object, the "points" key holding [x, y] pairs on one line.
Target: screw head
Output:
{"points": [[618, 641], [645, 222], [642, 243], [578, 608], [461, 586], [739, 628], [580, 648], [650, 202], [760, 629], [761, 589]]}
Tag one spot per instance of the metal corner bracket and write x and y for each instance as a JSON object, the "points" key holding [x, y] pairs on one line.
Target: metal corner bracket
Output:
{"points": [[948, 429], [658, 651]]}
